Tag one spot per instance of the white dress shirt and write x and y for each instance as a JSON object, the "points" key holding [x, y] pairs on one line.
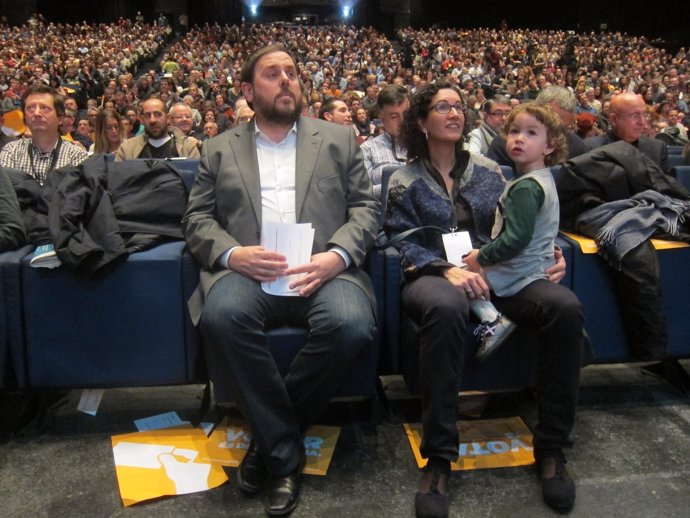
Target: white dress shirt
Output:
{"points": [[277, 164]]}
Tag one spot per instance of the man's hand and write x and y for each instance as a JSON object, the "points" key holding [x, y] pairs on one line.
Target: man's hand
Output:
{"points": [[473, 284], [258, 263], [557, 271], [322, 268]]}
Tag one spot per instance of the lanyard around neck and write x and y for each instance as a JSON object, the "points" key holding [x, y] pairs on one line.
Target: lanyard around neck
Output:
{"points": [[55, 153]]}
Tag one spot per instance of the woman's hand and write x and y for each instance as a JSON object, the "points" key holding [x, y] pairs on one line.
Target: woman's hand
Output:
{"points": [[473, 284]]}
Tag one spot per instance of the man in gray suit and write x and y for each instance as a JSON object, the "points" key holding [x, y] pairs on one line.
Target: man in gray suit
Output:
{"points": [[281, 168]]}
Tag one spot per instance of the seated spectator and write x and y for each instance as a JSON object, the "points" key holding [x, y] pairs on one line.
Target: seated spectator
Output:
{"points": [[583, 105], [85, 129], [222, 106], [618, 196], [587, 125], [180, 116], [158, 141], [196, 114], [44, 151], [370, 99], [4, 137], [364, 128], [627, 118], [592, 98], [563, 102], [126, 128], [494, 113], [67, 130], [110, 133], [210, 130], [6, 104], [211, 115], [335, 110], [386, 149], [437, 293], [675, 119], [136, 127], [12, 233], [603, 119], [243, 114]]}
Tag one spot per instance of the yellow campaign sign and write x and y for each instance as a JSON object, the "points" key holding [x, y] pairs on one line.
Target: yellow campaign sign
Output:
{"points": [[486, 443], [166, 462], [228, 444]]}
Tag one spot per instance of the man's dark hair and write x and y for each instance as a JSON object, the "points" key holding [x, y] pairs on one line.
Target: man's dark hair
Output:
{"points": [[392, 95], [497, 99], [42, 88], [327, 107], [247, 74]]}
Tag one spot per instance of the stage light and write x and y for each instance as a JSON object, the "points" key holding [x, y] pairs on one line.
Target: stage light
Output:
{"points": [[253, 8], [347, 11]]}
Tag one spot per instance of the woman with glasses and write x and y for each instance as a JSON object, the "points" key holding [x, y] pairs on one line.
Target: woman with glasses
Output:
{"points": [[447, 187]]}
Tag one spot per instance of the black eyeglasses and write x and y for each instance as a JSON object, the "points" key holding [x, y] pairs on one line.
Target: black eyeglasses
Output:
{"points": [[444, 107]]}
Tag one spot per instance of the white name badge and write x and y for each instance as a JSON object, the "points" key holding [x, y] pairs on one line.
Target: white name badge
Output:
{"points": [[457, 244]]}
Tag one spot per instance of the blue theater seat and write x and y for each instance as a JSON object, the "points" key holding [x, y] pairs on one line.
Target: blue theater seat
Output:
{"points": [[131, 326], [12, 361], [127, 328], [675, 160]]}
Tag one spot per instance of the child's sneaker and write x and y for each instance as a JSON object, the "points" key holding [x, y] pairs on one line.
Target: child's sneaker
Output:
{"points": [[491, 335]]}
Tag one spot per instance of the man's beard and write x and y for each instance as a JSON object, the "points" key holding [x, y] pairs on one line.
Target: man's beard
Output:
{"points": [[156, 133], [278, 114]]}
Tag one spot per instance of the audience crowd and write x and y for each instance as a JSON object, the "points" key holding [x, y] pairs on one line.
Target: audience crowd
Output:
{"points": [[98, 65], [135, 90]]}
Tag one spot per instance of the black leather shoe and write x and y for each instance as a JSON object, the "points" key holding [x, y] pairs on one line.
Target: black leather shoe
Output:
{"points": [[431, 500], [281, 495], [557, 488], [252, 471]]}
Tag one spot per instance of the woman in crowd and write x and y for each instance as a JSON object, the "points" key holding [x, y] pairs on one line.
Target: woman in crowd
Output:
{"points": [[211, 115], [363, 125], [447, 187], [222, 107], [109, 132]]}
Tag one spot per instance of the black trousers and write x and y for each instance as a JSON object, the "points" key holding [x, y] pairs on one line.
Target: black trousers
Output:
{"points": [[638, 290], [341, 326], [442, 312]]}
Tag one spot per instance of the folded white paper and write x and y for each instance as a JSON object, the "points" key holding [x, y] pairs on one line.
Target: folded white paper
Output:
{"points": [[294, 241]]}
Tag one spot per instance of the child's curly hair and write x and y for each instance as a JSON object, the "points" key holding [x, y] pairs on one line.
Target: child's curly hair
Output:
{"points": [[555, 132]]}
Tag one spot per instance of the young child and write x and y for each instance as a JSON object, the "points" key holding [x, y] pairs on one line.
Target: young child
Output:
{"points": [[527, 218]]}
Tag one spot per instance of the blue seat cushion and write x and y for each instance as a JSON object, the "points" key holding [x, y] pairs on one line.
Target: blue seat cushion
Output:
{"points": [[124, 329]]}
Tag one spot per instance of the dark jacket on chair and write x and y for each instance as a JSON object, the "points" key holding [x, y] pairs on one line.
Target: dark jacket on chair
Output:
{"points": [[98, 211]]}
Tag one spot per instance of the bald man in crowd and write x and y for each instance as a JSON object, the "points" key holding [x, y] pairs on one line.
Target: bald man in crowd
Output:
{"points": [[628, 120]]}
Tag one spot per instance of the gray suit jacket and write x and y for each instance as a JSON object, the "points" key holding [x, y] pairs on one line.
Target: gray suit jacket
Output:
{"points": [[333, 192]]}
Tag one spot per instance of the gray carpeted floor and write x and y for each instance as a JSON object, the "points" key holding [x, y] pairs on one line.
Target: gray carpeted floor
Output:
{"points": [[631, 458]]}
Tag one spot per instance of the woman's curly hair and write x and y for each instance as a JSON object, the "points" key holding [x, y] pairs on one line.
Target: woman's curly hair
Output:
{"points": [[412, 135]]}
